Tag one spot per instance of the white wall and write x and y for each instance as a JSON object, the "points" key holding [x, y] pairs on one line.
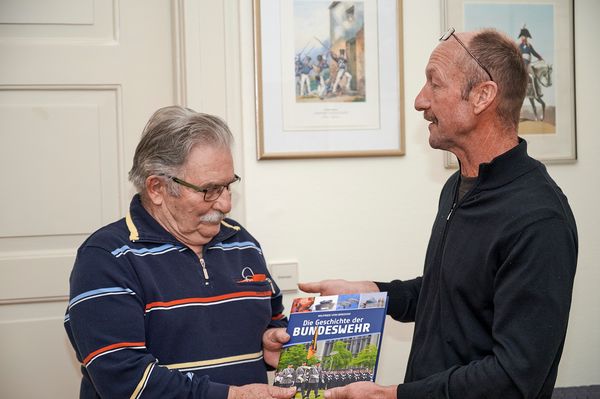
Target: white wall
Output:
{"points": [[370, 218]]}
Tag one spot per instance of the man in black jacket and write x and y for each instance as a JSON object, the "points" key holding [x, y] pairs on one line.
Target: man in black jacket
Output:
{"points": [[492, 305]]}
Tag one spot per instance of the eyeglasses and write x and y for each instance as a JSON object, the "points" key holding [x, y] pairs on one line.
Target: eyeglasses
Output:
{"points": [[211, 193], [450, 32]]}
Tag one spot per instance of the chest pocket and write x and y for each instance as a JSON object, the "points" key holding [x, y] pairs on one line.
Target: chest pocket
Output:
{"points": [[247, 311]]}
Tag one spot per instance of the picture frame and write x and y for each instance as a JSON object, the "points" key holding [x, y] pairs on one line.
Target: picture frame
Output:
{"points": [[348, 57], [544, 31]]}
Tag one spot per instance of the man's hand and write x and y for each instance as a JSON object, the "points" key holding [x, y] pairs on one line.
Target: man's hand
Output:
{"points": [[260, 391], [336, 287], [362, 390], [272, 340]]}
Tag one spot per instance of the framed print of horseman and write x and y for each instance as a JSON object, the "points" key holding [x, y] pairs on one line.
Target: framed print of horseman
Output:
{"points": [[543, 31]]}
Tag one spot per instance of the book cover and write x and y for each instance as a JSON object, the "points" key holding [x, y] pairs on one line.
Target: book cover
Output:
{"points": [[335, 341]]}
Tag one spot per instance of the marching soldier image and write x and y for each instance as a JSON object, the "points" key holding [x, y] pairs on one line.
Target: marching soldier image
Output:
{"points": [[314, 378]]}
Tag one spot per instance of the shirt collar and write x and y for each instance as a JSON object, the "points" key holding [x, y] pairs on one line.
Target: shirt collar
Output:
{"points": [[143, 227]]}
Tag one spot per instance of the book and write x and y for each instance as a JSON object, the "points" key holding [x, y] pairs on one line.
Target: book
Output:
{"points": [[335, 340]]}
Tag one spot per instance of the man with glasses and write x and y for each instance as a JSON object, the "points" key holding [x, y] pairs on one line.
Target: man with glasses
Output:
{"points": [[492, 305], [175, 300]]}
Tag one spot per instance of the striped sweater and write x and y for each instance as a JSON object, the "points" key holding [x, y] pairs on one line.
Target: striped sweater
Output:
{"points": [[149, 319]]}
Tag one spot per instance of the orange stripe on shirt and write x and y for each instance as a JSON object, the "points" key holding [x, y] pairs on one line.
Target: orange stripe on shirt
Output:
{"points": [[278, 316], [208, 299], [111, 347]]}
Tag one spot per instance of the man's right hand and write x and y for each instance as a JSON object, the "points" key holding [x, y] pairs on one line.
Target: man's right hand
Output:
{"points": [[362, 390], [336, 287], [260, 391]]}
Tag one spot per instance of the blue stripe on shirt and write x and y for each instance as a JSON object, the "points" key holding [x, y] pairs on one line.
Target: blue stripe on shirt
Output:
{"points": [[236, 245], [99, 292], [146, 251]]}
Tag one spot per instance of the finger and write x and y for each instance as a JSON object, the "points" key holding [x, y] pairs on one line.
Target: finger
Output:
{"points": [[275, 337], [280, 336], [335, 393], [282, 393], [312, 287]]}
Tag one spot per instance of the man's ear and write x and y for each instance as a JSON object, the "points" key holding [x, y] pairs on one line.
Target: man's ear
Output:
{"points": [[483, 95], [156, 189]]}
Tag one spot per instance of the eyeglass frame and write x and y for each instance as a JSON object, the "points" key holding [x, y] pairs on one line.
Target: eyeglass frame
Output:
{"points": [[198, 189], [450, 32]]}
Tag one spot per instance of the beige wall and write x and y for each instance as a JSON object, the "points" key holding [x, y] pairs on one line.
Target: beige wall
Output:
{"points": [[370, 218]]}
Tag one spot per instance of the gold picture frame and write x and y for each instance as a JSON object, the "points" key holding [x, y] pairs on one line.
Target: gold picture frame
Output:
{"points": [[348, 108]]}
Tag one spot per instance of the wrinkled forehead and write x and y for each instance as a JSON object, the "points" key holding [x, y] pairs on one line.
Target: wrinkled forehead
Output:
{"points": [[448, 55], [442, 59], [208, 157]]}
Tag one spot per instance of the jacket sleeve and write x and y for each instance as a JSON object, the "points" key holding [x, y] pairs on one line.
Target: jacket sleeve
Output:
{"points": [[532, 298], [403, 297], [278, 318], [105, 323]]}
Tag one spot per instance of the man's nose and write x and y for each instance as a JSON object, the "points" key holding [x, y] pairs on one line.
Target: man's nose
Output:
{"points": [[223, 203], [421, 102]]}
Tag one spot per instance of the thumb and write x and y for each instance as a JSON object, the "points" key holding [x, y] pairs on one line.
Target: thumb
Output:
{"points": [[335, 393], [313, 287], [279, 335], [282, 393]]}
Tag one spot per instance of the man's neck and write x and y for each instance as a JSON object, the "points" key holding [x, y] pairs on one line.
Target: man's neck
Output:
{"points": [[162, 218], [483, 146]]}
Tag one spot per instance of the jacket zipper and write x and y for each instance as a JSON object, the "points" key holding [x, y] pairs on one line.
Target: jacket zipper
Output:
{"points": [[204, 271], [451, 210]]}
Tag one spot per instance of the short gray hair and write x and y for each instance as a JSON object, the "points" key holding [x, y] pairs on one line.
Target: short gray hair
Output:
{"points": [[169, 136]]}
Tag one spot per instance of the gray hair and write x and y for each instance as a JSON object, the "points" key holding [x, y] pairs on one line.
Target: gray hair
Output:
{"points": [[169, 136]]}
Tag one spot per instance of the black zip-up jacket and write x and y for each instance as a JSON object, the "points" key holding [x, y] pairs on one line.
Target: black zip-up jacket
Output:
{"points": [[492, 306]]}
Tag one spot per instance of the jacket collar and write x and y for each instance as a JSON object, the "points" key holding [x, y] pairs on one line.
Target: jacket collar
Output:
{"points": [[143, 227], [506, 167]]}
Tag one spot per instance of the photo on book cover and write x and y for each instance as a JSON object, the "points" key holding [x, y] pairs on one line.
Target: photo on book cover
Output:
{"points": [[335, 341]]}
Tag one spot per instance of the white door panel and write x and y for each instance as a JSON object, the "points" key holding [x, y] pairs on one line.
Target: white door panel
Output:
{"points": [[78, 81]]}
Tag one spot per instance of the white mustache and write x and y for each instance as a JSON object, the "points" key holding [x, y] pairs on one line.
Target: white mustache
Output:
{"points": [[213, 217]]}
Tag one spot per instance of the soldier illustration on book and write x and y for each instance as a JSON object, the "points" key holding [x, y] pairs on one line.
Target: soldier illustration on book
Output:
{"points": [[314, 379], [302, 378], [285, 378]]}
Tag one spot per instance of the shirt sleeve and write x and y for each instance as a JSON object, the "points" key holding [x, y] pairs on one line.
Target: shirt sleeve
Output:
{"points": [[532, 298], [403, 298], [278, 318], [105, 323]]}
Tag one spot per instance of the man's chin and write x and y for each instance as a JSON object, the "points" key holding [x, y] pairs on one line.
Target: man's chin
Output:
{"points": [[206, 232], [437, 143]]}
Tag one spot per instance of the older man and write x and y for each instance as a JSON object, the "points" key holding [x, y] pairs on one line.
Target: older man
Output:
{"points": [[492, 306], [174, 300]]}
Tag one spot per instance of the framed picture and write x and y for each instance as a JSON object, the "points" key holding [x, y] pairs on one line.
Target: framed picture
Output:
{"points": [[328, 78], [543, 30]]}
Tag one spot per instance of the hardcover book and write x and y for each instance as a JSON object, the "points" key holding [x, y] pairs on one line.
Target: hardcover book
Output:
{"points": [[335, 341]]}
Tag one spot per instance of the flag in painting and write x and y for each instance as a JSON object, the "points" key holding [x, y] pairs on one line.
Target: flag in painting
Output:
{"points": [[312, 349]]}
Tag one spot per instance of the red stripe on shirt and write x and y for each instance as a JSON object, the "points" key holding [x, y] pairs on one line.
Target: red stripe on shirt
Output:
{"points": [[111, 347], [278, 316], [208, 299]]}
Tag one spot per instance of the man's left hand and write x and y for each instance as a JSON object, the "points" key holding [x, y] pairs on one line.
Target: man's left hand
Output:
{"points": [[272, 340], [362, 390]]}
